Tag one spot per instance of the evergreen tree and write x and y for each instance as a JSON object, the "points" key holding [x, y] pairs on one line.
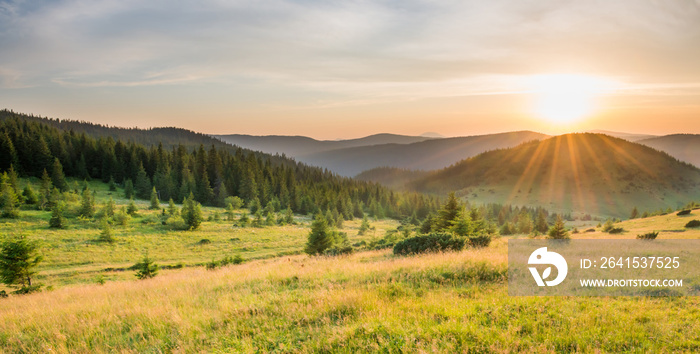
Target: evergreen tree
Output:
{"points": [[258, 221], [364, 226], [289, 217], [18, 261], [87, 204], [192, 213], [30, 198], [172, 208], [634, 214], [57, 177], [112, 184], [243, 220], [131, 208], [558, 231], [155, 203], [128, 189], [142, 186], [106, 233], [109, 208], [57, 221], [541, 225], [146, 268], [448, 214], [320, 237], [524, 222], [230, 215], [462, 226]]}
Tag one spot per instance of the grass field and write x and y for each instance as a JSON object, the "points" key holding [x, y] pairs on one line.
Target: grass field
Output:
{"points": [[283, 301]]}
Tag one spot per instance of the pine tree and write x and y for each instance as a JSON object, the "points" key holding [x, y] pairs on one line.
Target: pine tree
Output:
{"points": [[558, 231], [541, 225], [30, 198], [243, 220], [364, 226], [155, 203], [449, 213], [634, 214], [57, 221], [18, 261], [319, 238], [57, 176], [128, 189], [192, 213], [112, 184], [289, 216], [462, 226], [230, 215], [142, 185], [87, 204], [106, 233], [45, 191], [131, 208], [172, 208], [146, 268], [109, 208]]}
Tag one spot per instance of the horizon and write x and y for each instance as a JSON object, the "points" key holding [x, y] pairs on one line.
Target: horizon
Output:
{"points": [[339, 70]]}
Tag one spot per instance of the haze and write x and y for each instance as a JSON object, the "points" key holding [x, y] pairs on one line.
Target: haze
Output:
{"points": [[338, 69]]}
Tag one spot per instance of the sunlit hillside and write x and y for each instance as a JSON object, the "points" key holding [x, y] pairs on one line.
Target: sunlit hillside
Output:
{"points": [[591, 173]]}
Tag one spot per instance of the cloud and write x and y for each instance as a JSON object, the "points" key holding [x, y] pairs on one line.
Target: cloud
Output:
{"points": [[360, 48]]}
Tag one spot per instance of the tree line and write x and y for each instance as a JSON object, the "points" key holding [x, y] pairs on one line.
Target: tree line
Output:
{"points": [[35, 148]]}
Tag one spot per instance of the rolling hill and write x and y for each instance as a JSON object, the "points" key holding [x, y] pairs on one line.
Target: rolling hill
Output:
{"points": [[685, 147], [298, 146], [424, 155], [592, 173]]}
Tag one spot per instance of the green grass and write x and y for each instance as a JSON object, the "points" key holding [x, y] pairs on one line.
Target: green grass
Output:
{"points": [[370, 301]]}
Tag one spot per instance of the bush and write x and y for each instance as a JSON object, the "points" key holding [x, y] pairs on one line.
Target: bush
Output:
{"points": [[434, 242], [616, 230], [648, 236], [339, 251], [237, 259], [146, 268], [204, 241], [693, 223], [683, 212], [480, 241]]}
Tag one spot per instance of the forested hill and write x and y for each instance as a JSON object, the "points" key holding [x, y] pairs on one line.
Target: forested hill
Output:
{"points": [[212, 172]]}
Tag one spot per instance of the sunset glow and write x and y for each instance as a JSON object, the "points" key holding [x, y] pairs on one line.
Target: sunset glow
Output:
{"points": [[565, 98]]}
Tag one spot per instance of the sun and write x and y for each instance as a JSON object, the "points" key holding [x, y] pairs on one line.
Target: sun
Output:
{"points": [[565, 98]]}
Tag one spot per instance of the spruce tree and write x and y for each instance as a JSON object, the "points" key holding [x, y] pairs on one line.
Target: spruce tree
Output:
{"points": [[634, 214], [57, 221], [128, 189], [106, 233], [142, 185], [57, 177], [320, 237], [87, 204], [172, 208], [558, 231], [155, 203], [192, 213], [449, 213], [541, 225], [30, 198], [146, 268], [18, 261], [131, 208], [364, 226], [109, 208], [230, 215]]}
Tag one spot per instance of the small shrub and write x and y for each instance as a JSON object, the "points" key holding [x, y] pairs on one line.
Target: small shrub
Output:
{"points": [[339, 251], [3, 294], [146, 268], [683, 212], [648, 236], [204, 241], [434, 242], [590, 230], [616, 230], [693, 223], [479, 241]]}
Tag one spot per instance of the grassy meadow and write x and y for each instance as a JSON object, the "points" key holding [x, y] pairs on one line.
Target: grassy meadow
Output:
{"points": [[283, 301]]}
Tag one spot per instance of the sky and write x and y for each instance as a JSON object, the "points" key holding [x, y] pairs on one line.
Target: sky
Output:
{"points": [[344, 69]]}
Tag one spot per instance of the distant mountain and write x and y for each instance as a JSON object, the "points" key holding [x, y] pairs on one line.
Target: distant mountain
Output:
{"points": [[591, 173], [685, 147], [298, 146], [425, 155], [627, 136], [393, 177], [432, 135]]}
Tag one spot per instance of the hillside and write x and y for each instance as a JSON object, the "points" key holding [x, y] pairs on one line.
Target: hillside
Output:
{"points": [[685, 147], [298, 146], [425, 155], [393, 177], [590, 173]]}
